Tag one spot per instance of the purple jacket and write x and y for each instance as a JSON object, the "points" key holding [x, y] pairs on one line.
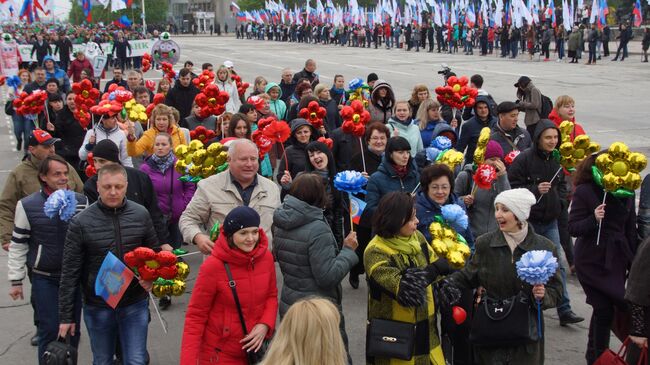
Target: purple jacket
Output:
{"points": [[178, 195]]}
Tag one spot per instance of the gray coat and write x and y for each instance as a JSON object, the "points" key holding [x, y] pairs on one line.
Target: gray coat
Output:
{"points": [[309, 257], [481, 213]]}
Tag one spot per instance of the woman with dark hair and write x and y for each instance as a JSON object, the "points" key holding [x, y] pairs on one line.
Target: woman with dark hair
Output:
{"points": [[396, 172], [601, 267], [437, 190], [303, 91], [304, 246], [249, 111], [492, 267], [419, 94], [321, 162], [382, 100], [213, 332], [239, 126], [376, 137], [400, 266], [294, 160]]}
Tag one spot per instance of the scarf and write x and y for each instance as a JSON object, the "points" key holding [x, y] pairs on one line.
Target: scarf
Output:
{"points": [[162, 163], [401, 171], [513, 239], [408, 246]]}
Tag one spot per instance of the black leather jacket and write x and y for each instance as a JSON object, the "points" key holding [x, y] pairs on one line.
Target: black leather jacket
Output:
{"points": [[91, 234]]}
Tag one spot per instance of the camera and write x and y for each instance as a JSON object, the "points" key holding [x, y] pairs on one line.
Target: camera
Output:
{"points": [[445, 70]]}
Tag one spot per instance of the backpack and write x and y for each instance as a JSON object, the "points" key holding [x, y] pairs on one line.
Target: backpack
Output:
{"points": [[547, 107]]}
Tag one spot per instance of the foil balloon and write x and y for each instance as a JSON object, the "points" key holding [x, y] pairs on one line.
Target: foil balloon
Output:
{"points": [[484, 176], [146, 62], [106, 107], [263, 142], [85, 94], [481, 146], [150, 265], [204, 79], [211, 100], [459, 314], [445, 240], [327, 141], [195, 162], [451, 158], [175, 286], [510, 157], [277, 131], [314, 114], [617, 170], [355, 117], [349, 181], [241, 86], [574, 150], [165, 50], [457, 93]]}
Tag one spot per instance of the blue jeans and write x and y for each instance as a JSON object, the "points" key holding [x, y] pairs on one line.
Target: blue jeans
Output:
{"points": [[23, 128], [45, 292], [560, 48], [514, 48], [104, 325], [550, 231]]}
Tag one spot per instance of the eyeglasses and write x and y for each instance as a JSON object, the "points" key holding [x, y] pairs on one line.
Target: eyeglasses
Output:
{"points": [[439, 187]]}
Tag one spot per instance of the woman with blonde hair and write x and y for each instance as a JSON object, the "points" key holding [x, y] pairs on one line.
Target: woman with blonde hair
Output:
{"points": [[224, 82], [565, 109], [419, 94], [428, 119], [163, 122], [259, 85], [308, 335]]}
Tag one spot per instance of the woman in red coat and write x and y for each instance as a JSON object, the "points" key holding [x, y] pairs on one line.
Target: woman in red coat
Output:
{"points": [[213, 332]]}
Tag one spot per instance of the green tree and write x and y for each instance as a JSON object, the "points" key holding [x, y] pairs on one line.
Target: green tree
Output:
{"points": [[156, 13]]}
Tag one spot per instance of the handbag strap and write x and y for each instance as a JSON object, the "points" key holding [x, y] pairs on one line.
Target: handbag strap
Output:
{"points": [[232, 284]]}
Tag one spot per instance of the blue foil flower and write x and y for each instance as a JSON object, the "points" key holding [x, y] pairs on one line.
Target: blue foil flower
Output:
{"points": [[350, 182], [455, 216], [537, 267], [432, 153], [441, 142], [355, 84], [62, 203], [14, 82]]}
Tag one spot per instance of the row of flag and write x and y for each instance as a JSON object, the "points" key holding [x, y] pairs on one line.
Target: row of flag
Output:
{"points": [[487, 13], [32, 10]]}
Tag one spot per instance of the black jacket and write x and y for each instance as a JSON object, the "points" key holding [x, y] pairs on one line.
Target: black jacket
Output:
{"points": [[304, 74], [333, 118], [119, 48], [91, 235], [119, 83], [71, 134], [63, 49], [287, 90], [181, 98], [534, 166], [41, 50], [139, 190], [470, 130]]}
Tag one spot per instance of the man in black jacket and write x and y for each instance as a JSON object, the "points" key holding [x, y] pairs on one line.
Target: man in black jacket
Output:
{"points": [[120, 45], [140, 189], [117, 79], [506, 132], [64, 49], [309, 73], [538, 170], [112, 225], [41, 48], [182, 95], [37, 243]]}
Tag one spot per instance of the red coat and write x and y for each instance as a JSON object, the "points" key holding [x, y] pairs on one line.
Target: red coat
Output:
{"points": [[75, 68], [212, 328], [577, 128]]}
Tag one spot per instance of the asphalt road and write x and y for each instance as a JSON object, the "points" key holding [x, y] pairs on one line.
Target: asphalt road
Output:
{"points": [[610, 105]]}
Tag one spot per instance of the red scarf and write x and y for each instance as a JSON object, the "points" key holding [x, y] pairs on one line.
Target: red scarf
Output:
{"points": [[401, 171]]}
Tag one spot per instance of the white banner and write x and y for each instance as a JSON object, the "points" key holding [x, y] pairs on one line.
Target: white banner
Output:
{"points": [[138, 47]]}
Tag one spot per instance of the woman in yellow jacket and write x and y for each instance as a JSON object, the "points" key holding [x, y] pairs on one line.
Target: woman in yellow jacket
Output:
{"points": [[400, 274], [163, 121]]}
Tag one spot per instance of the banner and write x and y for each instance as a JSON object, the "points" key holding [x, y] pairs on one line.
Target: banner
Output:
{"points": [[138, 47]]}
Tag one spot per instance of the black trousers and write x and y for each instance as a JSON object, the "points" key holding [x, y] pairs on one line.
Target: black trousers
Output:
{"points": [[546, 50]]}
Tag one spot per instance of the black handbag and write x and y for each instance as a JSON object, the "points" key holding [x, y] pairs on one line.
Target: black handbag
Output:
{"points": [[9, 107], [505, 322], [252, 356], [393, 339], [60, 352], [390, 339]]}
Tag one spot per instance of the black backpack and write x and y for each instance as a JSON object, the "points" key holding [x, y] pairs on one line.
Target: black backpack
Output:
{"points": [[547, 107]]}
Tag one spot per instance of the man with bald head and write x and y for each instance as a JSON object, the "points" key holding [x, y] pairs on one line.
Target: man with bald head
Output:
{"points": [[217, 195], [309, 73]]}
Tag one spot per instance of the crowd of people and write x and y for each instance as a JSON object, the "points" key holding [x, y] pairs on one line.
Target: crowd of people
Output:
{"points": [[285, 208], [581, 40]]}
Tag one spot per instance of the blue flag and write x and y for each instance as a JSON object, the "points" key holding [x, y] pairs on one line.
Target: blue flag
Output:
{"points": [[112, 280]]}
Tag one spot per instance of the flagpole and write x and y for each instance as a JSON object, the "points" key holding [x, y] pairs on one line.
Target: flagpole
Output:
{"points": [[144, 20]]}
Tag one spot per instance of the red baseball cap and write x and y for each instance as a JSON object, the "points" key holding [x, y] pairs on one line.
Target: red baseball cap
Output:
{"points": [[41, 137]]}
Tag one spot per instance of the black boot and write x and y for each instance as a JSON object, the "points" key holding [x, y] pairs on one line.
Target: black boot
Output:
{"points": [[19, 144]]}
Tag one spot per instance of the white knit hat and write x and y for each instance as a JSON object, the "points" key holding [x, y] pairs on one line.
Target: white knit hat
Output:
{"points": [[519, 201]]}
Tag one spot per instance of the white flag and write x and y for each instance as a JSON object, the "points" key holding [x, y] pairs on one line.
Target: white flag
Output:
{"points": [[117, 5]]}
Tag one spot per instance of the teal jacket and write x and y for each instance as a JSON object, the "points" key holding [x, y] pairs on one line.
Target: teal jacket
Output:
{"points": [[278, 107]]}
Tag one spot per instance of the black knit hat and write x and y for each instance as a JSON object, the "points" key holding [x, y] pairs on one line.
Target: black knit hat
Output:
{"points": [[240, 218], [107, 150], [506, 107]]}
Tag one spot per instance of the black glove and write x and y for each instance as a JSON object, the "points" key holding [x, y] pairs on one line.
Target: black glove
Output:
{"points": [[446, 294], [412, 286], [438, 268]]}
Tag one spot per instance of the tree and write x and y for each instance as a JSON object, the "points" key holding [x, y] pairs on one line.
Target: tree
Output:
{"points": [[156, 13]]}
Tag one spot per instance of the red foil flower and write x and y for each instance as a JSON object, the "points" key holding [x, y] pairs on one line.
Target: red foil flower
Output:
{"points": [[107, 107], [264, 143], [484, 176], [151, 265], [327, 141], [204, 79], [212, 101], [85, 93], [82, 115], [277, 131], [202, 134], [314, 113], [241, 86], [146, 62], [355, 117]]}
